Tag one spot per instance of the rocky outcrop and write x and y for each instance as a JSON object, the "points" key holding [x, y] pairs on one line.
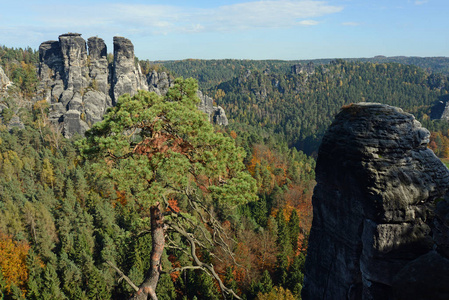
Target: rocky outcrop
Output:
{"points": [[308, 69], [159, 83], [216, 113], [377, 231], [127, 76], [98, 66], [440, 110], [4, 83], [64, 75], [80, 83]]}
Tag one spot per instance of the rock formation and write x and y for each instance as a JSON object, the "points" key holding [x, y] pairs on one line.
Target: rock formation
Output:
{"points": [[4, 82], [216, 113], [380, 219], [440, 110], [308, 69], [127, 77], [80, 83], [160, 83]]}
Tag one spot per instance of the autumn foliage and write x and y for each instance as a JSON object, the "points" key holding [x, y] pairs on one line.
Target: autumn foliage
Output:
{"points": [[439, 143], [13, 266]]}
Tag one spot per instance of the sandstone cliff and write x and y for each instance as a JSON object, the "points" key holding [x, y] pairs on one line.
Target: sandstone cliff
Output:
{"points": [[308, 69], [4, 82], [380, 219], [80, 83]]}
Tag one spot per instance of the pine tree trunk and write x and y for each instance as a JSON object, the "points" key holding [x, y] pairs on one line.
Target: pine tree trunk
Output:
{"points": [[147, 290]]}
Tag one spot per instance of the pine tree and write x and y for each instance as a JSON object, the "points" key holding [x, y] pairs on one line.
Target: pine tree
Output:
{"points": [[156, 150], [266, 284], [285, 249], [294, 229], [296, 275], [50, 289], [34, 282]]}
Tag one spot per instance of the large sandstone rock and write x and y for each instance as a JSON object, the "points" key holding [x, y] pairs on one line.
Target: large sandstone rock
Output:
{"points": [[4, 82], [74, 57], [308, 69], [80, 84], [75, 83], [99, 66], [159, 83], [374, 208], [216, 114], [127, 76]]}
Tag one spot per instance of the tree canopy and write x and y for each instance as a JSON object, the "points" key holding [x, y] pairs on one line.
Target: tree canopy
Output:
{"points": [[167, 161]]}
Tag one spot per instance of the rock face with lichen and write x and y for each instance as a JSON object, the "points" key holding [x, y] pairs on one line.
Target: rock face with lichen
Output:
{"points": [[380, 220], [80, 83]]}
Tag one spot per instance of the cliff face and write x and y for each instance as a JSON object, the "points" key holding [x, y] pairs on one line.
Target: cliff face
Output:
{"points": [[4, 82], [126, 76], [378, 232], [80, 84]]}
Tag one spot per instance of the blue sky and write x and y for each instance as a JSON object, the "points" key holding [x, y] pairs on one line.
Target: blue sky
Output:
{"points": [[242, 29]]}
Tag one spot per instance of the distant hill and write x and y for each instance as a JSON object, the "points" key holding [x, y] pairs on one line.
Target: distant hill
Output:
{"points": [[212, 72], [296, 100]]}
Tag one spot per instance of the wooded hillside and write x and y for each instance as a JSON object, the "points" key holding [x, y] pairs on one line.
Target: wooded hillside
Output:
{"points": [[76, 213]]}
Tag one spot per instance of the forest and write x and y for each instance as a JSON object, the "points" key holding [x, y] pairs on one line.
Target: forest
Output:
{"points": [[81, 218]]}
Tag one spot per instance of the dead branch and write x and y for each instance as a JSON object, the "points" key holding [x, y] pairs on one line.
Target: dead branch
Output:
{"points": [[209, 268], [123, 276]]}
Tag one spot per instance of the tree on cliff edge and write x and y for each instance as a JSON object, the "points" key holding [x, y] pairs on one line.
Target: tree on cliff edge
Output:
{"points": [[165, 158]]}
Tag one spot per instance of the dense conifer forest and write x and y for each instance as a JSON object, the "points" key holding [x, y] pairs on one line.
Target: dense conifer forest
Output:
{"points": [[74, 213]]}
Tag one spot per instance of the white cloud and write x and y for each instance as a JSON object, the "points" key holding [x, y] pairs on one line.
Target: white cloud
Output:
{"points": [[419, 2], [350, 24], [163, 19], [308, 23]]}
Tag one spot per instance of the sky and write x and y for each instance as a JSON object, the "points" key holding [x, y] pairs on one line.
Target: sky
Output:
{"points": [[239, 29]]}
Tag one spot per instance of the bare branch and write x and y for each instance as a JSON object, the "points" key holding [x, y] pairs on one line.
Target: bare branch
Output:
{"points": [[123, 276], [209, 268], [186, 268]]}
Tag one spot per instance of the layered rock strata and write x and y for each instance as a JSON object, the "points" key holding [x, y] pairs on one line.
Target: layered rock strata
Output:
{"points": [[380, 219], [80, 83]]}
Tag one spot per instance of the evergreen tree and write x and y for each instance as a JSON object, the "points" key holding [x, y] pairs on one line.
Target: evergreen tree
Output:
{"points": [[296, 275], [163, 154], [51, 283], [285, 249], [294, 230]]}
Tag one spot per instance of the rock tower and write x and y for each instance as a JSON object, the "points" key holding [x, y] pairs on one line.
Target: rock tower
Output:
{"points": [[80, 83], [380, 216]]}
